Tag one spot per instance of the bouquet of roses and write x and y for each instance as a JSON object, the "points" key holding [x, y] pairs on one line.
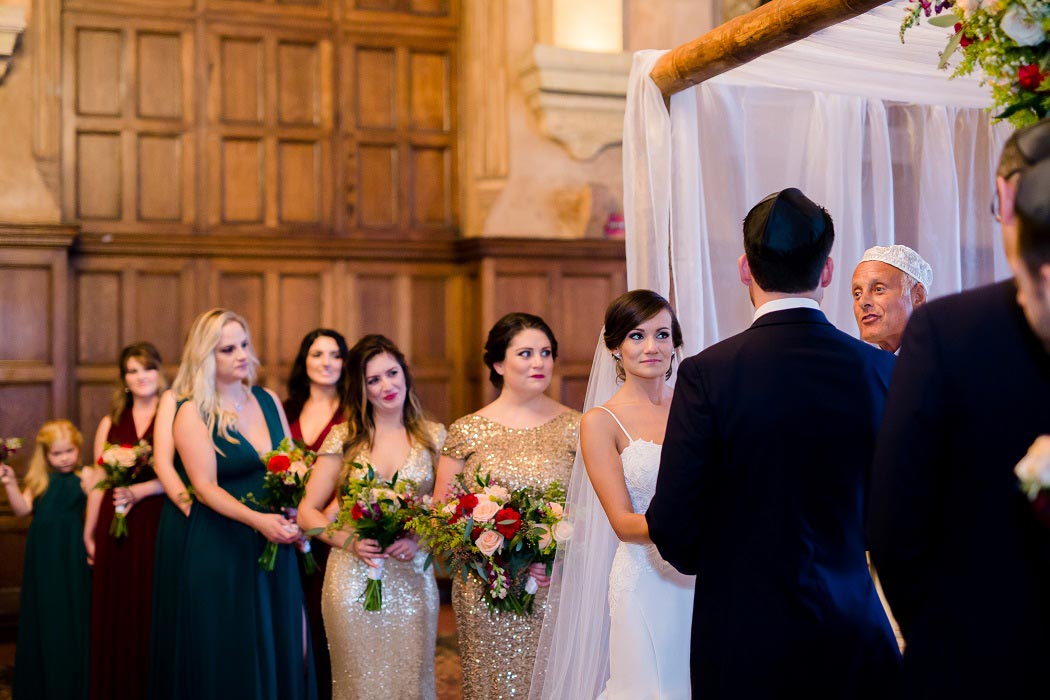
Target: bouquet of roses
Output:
{"points": [[124, 465], [1034, 473], [1006, 39], [288, 469], [495, 534], [376, 510], [9, 446]]}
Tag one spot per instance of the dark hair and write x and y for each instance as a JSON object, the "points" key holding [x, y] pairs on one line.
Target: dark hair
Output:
{"points": [[361, 427], [795, 271], [149, 356], [299, 382], [630, 310], [503, 333], [1024, 148]]}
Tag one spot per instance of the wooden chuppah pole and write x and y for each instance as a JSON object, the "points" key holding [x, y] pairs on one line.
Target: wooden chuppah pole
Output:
{"points": [[745, 38]]}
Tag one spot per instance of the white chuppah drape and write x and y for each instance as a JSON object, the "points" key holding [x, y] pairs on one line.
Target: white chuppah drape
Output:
{"points": [[868, 128]]}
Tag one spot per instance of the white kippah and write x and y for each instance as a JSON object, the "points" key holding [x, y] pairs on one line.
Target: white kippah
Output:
{"points": [[903, 258]]}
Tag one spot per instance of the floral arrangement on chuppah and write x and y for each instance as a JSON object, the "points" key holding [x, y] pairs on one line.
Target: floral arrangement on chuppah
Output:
{"points": [[1006, 40]]}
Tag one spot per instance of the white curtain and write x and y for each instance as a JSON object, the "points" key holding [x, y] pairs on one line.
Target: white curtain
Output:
{"points": [[865, 126]]}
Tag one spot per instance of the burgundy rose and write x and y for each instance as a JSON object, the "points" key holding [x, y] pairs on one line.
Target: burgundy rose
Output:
{"points": [[964, 40], [279, 463], [508, 522], [1029, 77]]}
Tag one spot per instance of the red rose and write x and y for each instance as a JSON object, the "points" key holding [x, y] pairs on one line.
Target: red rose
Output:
{"points": [[357, 512], [468, 502], [508, 522], [1029, 77], [279, 463], [964, 40]]}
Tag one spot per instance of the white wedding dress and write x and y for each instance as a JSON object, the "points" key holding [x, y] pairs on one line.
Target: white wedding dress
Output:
{"points": [[650, 603]]}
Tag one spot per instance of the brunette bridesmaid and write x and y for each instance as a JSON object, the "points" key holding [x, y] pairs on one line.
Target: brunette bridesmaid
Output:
{"points": [[317, 396], [122, 581]]}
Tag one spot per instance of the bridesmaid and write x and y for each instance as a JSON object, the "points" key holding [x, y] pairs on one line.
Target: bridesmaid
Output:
{"points": [[51, 661], [387, 653], [317, 395], [122, 582], [241, 632], [523, 438]]}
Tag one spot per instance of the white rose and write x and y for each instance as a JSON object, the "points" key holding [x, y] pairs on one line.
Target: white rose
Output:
{"points": [[555, 509], [121, 456], [1034, 467], [498, 493], [449, 509], [562, 531], [546, 537], [488, 542], [485, 511], [968, 6], [531, 586], [1022, 27], [298, 468]]}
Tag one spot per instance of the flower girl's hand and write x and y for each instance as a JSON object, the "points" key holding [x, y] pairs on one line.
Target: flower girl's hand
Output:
{"points": [[277, 529], [368, 551], [402, 549], [538, 571], [7, 475]]}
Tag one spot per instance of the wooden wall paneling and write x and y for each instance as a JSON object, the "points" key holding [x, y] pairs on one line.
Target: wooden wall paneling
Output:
{"points": [[420, 15], [128, 151], [286, 11], [133, 8]]}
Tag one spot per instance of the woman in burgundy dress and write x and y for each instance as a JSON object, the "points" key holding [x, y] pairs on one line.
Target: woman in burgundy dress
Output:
{"points": [[122, 581], [317, 396]]}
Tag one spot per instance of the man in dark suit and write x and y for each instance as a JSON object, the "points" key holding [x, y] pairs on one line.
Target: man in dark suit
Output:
{"points": [[962, 559], [763, 481]]}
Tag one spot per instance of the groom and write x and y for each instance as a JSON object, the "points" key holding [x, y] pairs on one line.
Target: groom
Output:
{"points": [[763, 478]]}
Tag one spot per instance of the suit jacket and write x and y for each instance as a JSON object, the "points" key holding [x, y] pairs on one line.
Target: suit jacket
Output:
{"points": [[962, 559], [761, 494]]}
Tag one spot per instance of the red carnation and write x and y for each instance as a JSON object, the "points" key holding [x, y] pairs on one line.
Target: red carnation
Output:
{"points": [[964, 40], [468, 502], [508, 522], [279, 463], [1029, 77], [357, 512]]}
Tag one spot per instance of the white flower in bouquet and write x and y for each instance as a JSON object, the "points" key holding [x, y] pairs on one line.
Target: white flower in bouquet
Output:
{"points": [[489, 542], [546, 538], [298, 468], [449, 509], [1022, 27], [555, 509], [562, 531], [121, 456], [968, 7], [485, 511], [498, 493]]}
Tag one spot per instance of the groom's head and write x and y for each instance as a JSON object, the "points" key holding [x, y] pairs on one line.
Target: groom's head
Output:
{"points": [[787, 239]]}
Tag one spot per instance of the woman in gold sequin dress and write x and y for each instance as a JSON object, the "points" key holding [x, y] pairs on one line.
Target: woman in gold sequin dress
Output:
{"points": [[388, 653], [523, 438]]}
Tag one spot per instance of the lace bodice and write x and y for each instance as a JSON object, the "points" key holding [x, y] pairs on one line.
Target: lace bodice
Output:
{"points": [[641, 464]]}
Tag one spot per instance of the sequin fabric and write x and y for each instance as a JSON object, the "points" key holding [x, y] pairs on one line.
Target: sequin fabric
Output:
{"points": [[388, 653], [498, 650]]}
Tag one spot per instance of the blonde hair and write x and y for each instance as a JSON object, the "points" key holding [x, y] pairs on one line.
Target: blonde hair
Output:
{"points": [[39, 473], [196, 377], [149, 357]]}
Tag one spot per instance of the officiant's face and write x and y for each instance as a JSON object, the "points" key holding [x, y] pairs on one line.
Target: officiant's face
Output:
{"points": [[646, 351], [881, 303]]}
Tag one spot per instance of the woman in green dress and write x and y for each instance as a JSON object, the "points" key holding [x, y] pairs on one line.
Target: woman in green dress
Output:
{"points": [[51, 659], [241, 632]]}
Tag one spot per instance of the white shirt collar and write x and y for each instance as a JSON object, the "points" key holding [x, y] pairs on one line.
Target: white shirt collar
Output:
{"points": [[784, 304]]}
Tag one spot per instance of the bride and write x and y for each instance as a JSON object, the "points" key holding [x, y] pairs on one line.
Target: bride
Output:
{"points": [[621, 622]]}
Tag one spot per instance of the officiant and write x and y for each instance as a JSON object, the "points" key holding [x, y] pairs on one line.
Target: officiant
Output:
{"points": [[889, 283]]}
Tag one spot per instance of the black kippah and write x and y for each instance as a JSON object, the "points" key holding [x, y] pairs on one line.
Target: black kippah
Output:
{"points": [[784, 221], [1034, 141], [1032, 201]]}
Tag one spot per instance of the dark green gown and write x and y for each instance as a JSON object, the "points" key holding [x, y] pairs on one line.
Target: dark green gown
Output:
{"points": [[51, 659], [167, 568], [240, 629]]}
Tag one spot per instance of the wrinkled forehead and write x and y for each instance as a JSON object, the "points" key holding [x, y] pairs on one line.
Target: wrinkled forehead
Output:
{"points": [[872, 271]]}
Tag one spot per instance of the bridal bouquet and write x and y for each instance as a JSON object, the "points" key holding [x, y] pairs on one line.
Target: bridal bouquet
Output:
{"points": [[124, 465], [376, 510], [1006, 39], [1034, 473], [9, 446], [495, 534], [287, 471]]}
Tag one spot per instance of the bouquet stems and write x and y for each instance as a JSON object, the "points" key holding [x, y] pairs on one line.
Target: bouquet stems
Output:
{"points": [[269, 556], [374, 588], [119, 526], [309, 563]]}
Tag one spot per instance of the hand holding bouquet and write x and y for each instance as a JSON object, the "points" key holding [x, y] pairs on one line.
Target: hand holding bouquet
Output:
{"points": [[1034, 473], [288, 469], [124, 465], [496, 534], [376, 510]]}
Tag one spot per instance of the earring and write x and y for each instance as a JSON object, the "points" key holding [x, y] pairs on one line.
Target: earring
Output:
{"points": [[617, 356], [127, 390]]}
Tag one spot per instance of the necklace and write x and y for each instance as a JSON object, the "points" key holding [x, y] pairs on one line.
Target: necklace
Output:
{"points": [[239, 405]]}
